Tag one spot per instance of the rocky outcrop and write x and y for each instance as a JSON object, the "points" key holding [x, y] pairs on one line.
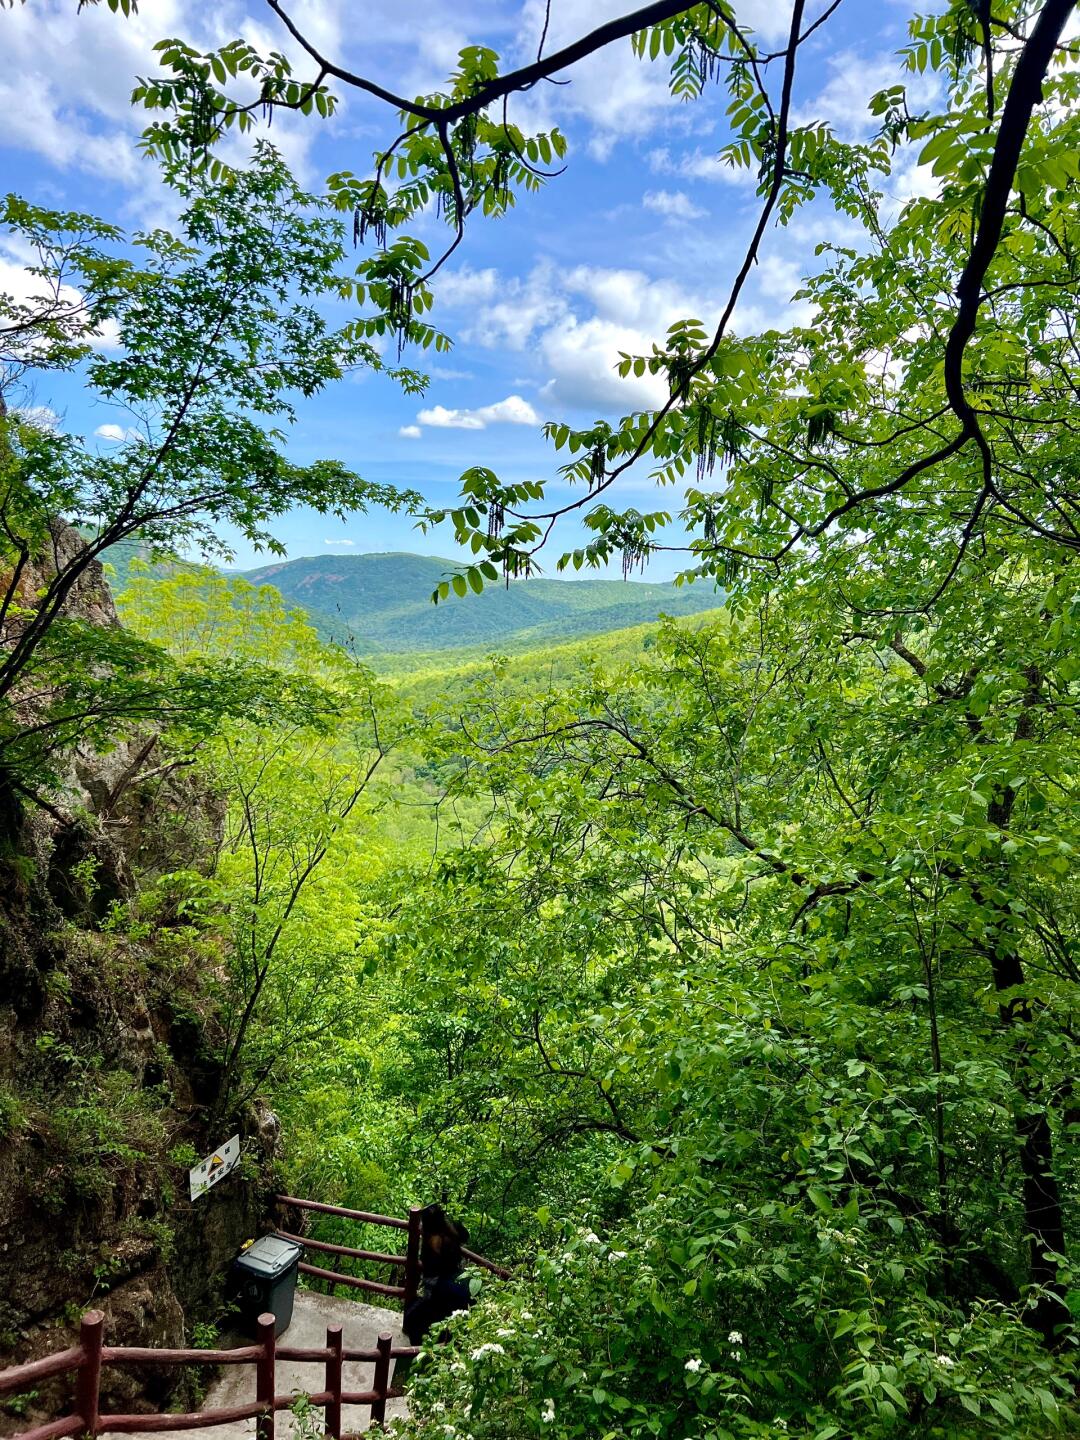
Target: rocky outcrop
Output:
{"points": [[107, 1068]]}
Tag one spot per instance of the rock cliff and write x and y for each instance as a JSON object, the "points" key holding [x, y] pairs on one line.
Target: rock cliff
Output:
{"points": [[107, 1071]]}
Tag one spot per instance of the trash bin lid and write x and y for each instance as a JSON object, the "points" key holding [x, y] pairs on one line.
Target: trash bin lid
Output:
{"points": [[269, 1257]]}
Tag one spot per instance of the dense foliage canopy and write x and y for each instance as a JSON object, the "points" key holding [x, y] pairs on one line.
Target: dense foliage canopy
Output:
{"points": [[728, 982]]}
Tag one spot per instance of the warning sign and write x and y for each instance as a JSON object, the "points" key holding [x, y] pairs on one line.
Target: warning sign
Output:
{"points": [[215, 1167]]}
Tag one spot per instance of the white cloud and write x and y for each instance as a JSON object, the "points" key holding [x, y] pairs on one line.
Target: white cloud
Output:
{"points": [[511, 411], [778, 277], [23, 287], [67, 82], [115, 433], [504, 312], [629, 311], [440, 418], [672, 204], [339, 542], [67, 79], [410, 432], [770, 18], [43, 417], [853, 80], [616, 94], [467, 286], [575, 324], [698, 164], [581, 357], [447, 372]]}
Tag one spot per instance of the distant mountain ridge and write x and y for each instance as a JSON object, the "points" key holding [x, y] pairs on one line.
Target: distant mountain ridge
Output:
{"points": [[381, 603]]}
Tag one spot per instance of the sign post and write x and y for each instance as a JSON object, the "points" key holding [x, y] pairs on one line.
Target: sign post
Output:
{"points": [[215, 1167]]}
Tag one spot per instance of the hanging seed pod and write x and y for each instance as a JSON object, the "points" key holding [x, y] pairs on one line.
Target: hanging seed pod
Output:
{"points": [[765, 497], [370, 215], [819, 427], [514, 565], [465, 135], [496, 519], [597, 465], [680, 373], [718, 438], [730, 436], [399, 310], [708, 62], [500, 176], [707, 430], [634, 554]]}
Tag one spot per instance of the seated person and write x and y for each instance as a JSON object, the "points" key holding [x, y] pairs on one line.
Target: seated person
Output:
{"points": [[441, 1262]]}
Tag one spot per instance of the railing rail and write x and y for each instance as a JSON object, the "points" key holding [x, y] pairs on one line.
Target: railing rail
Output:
{"points": [[87, 1359], [409, 1263], [91, 1355], [411, 1259]]}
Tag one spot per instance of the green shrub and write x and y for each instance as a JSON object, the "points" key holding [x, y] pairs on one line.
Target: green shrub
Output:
{"points": [[13, 1118]]}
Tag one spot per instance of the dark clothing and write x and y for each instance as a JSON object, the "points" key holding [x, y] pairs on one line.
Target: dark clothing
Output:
{"points": [[441, 1261], [441, 1298]]}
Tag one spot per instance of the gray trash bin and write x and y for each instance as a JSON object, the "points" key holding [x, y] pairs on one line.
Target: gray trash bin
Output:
{"points": [[266, 1280]]}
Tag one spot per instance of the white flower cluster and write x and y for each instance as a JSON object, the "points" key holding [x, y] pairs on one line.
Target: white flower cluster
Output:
{"points": [[617, 1255], [693, 1365], [945, 1360], [735, 1337], [490, 1347], [840, 1237], [547, 1415]]}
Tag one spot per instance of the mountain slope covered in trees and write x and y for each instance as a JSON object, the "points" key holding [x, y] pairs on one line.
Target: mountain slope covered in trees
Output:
{"points": [[382, 602]]}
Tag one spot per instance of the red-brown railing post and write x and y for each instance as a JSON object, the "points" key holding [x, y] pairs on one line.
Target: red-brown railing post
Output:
{"points": [[412, 1258], [381, 1382], [88, 1383], [333, 1381], [265, 1368]]}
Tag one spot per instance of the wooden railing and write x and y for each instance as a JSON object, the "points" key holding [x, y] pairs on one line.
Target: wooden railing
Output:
{"points": [[409, 1263], [87, 1358], [91, 1354]]}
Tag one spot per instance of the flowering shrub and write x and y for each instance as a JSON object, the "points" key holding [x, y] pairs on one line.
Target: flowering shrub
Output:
{"points": [[704, 1336]]}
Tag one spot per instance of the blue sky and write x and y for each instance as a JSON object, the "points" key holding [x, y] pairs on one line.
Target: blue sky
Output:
{"points": [[646, 226]]}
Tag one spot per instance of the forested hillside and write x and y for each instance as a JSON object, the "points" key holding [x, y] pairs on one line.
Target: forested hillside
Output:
{"points": [[720, 973], [383, 603]]}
